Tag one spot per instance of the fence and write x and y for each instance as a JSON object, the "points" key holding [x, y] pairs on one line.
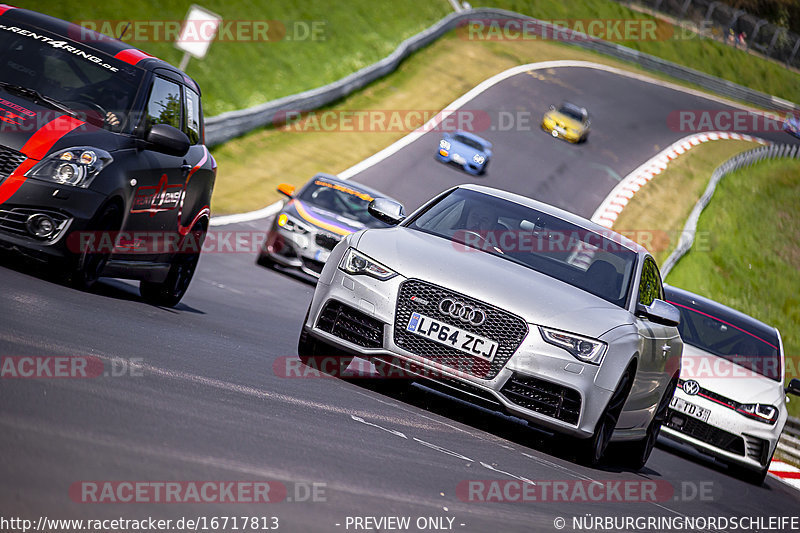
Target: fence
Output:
{"points": [[789, 445], [745, 159], [224, 127], [721, 21]]}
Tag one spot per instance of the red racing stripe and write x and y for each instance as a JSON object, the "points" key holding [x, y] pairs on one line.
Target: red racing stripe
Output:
{"points": [[5, 7], [132, 55], [36, 148]]}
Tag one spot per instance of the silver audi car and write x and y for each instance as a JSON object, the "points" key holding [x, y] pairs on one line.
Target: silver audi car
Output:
{"points": [[501, 298]]}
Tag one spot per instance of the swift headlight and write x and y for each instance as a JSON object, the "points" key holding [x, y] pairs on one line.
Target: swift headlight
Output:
{"points": [[444, 144], [582, 348], [354, 262], [74, 166], [759, 411], [478, 159]]}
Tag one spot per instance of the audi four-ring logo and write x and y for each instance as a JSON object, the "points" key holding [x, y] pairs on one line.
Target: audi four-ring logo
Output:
{"points": [[691, 387], [463, 312]]}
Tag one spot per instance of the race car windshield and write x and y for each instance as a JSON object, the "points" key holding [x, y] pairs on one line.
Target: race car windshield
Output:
{"points": [[340, 200], [66, 75], [598, 264], [468, 142], [571, 112], [730, 335]]}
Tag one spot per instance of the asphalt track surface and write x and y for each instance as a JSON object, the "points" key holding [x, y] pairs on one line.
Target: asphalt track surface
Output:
{"points": [[206, 403]]}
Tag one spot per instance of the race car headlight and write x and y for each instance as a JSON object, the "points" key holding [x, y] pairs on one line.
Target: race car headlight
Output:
{"points": [[444, 144], [354, 262], [289, 223], [582, 348], [478, 158], [759, 411], [74, 166]]}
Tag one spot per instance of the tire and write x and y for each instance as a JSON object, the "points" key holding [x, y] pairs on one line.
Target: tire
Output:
{"points": [[634, 455], [89, 265], [264, 260], [169, 292], [313, 354], [591, 451]]}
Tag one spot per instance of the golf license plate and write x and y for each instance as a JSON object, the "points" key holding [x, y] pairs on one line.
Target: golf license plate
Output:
{"points": [[452, 336], [690, 409]]}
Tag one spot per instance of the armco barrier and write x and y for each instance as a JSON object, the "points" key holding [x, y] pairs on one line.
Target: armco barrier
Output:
{"points": [[745, 159], [224, 127], [789, 445]]}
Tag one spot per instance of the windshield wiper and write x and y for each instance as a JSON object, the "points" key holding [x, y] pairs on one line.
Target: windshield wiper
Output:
{"points": [[36, 96]]}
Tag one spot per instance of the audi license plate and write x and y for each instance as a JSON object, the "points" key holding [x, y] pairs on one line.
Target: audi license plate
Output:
{"points": [[690, 409], [452, 336]]}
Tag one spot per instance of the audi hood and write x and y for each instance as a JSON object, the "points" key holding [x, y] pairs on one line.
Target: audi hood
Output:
{"points": [[539, 299]]}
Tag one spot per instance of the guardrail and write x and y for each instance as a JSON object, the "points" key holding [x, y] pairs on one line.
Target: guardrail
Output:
{"points": [[745, 159], [224, 127], [789, 444]]}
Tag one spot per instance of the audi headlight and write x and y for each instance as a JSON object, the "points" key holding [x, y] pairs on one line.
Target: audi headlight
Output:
{"points": [[444, 144], [582, 348], [74, 166], [759, 411], [289, 223], [354, 262], [478, 158]]}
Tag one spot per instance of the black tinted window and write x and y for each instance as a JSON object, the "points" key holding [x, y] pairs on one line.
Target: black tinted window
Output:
{"points": [[193, 116], [650, 285], [164, 105]]}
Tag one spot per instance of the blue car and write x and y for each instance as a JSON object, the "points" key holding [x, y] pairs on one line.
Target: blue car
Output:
{"points": [[466, 150], [792, 125]]}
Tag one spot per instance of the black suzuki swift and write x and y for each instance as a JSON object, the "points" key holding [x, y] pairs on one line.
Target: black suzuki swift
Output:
{"points": [[103, 166]]}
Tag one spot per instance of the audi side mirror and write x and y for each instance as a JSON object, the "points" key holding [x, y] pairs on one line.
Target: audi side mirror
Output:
{"points": [[168, 139], [387, 211], [793, 387], [660, 312]]}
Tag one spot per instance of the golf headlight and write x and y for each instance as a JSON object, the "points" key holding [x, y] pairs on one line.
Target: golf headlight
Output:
{"points": [[354, 262], [289, 223], [444, 145], [582, 348], [478, 158], [74, 166], [759, 411]]}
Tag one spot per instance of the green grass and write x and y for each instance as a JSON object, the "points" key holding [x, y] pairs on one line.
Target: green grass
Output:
{"points": [[657, 213], [357, 33], [753, 257], [705, 55], [236, 75]]}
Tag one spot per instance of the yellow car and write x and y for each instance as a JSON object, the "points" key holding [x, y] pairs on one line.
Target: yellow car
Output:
{"points": [[568, 121]]}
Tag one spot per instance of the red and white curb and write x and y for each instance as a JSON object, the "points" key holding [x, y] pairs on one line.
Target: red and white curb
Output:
{"points": [[608, 211], [785, 472]]}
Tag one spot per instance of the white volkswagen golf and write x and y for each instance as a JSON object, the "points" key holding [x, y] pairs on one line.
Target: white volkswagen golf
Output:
{"points": [[730, 400]]}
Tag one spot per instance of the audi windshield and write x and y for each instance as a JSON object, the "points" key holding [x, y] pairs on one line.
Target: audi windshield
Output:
{"points": [[585, 259], [69, 76], [340, 200]]}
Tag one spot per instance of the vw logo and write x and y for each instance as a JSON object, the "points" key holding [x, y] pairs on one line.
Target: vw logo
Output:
{"points": [[691, 387], [464, 312]]}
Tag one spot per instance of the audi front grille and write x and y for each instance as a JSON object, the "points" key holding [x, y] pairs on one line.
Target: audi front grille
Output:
{"points": [[507, 329]]}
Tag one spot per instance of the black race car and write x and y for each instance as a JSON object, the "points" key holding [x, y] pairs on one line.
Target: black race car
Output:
{"points": [[103, 166]]}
